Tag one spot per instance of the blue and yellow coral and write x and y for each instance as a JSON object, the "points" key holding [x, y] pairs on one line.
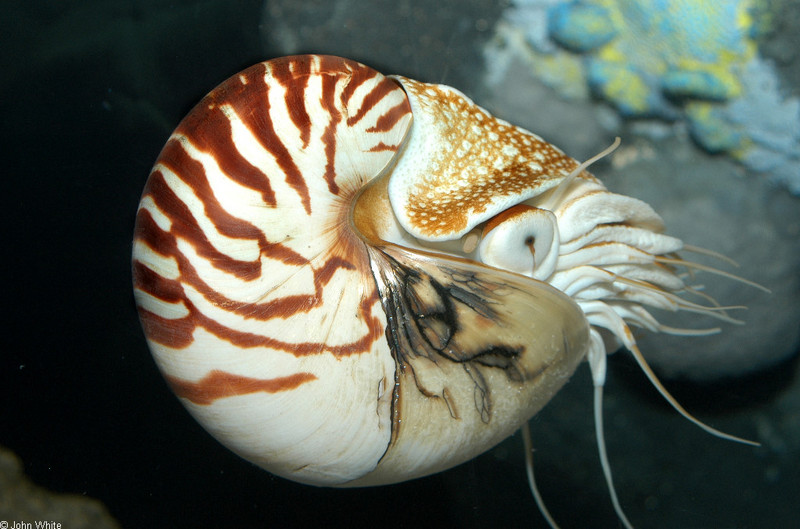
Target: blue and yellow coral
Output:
{"points": [[646, 54], [692, 61]]}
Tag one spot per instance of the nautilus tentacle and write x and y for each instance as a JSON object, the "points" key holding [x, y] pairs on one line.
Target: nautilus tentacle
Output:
{"points": [[352, 279]]}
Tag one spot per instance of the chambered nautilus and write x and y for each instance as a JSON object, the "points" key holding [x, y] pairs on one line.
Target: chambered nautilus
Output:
{"points": [[350, 279]]}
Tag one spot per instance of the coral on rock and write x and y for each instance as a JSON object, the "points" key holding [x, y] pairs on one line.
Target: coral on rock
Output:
{"points": [[648, 55], [687, 60]]}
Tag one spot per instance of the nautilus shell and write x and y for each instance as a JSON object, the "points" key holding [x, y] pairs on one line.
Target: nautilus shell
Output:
{"points": [[351, 279]]}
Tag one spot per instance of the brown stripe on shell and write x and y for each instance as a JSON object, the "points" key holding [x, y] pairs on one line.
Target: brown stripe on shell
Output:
{"points": [[251, 104], [177, 333], [359, 74], [219, 384], [329, 135], [331, 69], [209, 130], [382, 147], [388, 120], [293, 75], [175, 158], [376, 95], [148, 233], [185, 226]]}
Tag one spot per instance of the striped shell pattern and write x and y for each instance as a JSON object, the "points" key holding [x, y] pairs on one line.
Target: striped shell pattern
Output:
{"points": [[350, 279]]}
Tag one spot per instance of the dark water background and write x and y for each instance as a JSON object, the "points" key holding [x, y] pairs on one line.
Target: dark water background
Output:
{"points": [[90, 92]]}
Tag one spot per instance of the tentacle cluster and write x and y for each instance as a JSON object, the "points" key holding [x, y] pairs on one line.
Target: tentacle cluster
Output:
{"points": [[607, 252]]}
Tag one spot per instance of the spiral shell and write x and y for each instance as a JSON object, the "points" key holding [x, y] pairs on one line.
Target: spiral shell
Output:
{"points": [[352, 279]]}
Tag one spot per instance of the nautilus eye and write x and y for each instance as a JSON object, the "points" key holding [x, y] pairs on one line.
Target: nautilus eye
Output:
{"points": [[352, 279], [532, 232]]}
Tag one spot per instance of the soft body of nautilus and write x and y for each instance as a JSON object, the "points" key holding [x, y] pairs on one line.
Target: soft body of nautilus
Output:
{"points": [[352, 279]]}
